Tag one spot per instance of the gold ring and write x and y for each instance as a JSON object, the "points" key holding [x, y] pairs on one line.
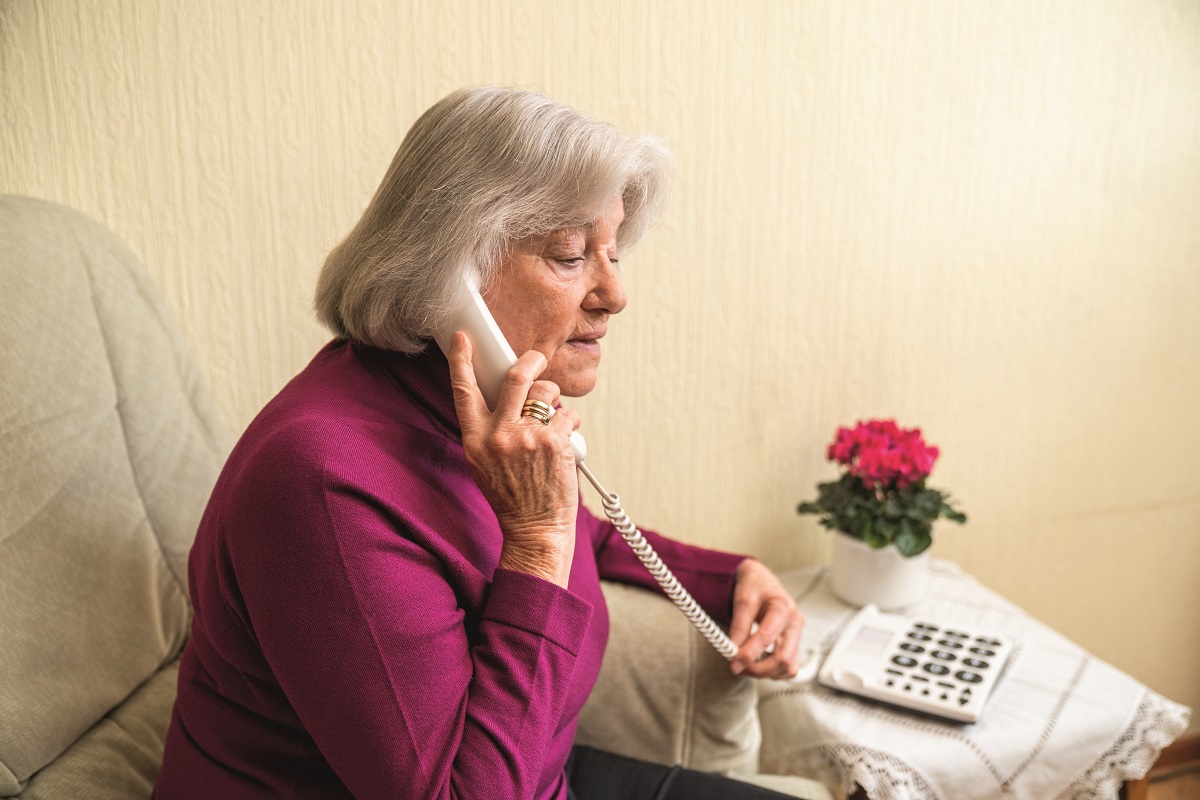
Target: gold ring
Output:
{"points": [[538, 410]]}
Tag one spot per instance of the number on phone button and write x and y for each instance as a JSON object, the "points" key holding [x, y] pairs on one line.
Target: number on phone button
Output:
{"points": [[904, 661], [935, 669], [968, 677]]}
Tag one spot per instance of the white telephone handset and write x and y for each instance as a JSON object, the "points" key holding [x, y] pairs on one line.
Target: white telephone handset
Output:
{"points": [[492, 357]]}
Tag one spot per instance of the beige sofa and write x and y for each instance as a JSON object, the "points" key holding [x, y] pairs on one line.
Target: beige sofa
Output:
{"points": [[109, 445]]}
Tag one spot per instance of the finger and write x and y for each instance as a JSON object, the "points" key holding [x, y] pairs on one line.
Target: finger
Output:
{"points": [[747, 601], [468, 401], [545, 391], [783, 662], [746, 605], [776, 612], [517, 381], [788, 647], [773, 619], [561, 424], [739, 626], [571, 415]]}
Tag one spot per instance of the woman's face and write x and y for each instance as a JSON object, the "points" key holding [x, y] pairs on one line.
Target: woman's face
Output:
{"points": [[555, 294]]}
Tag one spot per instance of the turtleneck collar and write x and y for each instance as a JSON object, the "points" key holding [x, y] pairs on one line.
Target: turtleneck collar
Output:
{"points": [[424, 376]]}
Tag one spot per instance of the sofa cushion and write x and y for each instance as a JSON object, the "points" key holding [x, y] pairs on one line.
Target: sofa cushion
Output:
{"points": [[119, 757], [109, 447], [665, 695]]}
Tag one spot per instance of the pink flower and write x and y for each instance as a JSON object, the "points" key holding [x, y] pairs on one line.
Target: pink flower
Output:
{"points": [[883, 455]]}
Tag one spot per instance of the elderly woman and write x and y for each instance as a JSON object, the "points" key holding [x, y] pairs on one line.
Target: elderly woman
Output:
{"points": [[396, 588]]}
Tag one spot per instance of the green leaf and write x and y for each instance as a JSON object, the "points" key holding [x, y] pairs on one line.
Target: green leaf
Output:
{"points": [[913, 538], [929, 501], [892, 508], [954, 516], [874, 538]]}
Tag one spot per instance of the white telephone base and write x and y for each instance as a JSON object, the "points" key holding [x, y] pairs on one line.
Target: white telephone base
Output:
{"points": [[936, 667]]}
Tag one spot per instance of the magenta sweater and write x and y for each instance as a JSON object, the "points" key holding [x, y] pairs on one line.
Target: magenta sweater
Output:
{"points": [[353, 635]]}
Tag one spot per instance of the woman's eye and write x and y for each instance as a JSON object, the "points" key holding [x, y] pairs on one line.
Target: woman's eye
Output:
{"points": [[573, 261]]}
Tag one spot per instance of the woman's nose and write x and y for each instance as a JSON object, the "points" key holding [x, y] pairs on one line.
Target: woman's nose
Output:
{"points": [[608, 294]]}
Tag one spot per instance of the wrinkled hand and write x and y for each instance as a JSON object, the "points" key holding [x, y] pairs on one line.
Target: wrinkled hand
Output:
{"points": [[525, 469], [758, 596]]}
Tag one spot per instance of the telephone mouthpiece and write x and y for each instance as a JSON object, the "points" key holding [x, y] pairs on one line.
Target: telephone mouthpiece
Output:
{"points": [[578, 446]]}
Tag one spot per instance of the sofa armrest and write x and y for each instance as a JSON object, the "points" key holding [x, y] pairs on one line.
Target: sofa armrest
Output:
{"points": [[665, 695]]}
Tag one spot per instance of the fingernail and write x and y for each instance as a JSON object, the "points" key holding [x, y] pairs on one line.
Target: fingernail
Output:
{"points": [[738, 668]]}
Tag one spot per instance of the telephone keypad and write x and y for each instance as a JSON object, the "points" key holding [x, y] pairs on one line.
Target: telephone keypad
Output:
{"points": [[946, 670], [951, 687]]}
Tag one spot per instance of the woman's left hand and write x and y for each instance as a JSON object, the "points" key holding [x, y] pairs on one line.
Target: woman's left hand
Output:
{"points": [[758, 596]]}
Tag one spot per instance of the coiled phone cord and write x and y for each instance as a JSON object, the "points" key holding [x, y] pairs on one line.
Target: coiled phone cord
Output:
{"points": [[666, 579]]}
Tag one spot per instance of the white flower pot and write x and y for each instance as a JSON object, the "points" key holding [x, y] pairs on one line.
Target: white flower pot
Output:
{"points": [[862, 575]]}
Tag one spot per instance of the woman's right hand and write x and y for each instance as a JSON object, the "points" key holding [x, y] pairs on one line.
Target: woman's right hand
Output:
{"points": [[524, 468]]}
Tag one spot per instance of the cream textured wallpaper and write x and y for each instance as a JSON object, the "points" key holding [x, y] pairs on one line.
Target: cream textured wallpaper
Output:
{"points": [[979, 218]]}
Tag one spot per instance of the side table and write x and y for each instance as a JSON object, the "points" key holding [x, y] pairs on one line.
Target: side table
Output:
{"points": [[1060, 723]]}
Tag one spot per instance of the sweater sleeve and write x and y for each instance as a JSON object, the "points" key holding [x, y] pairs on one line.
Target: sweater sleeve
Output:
{"points": [[366, 638], [707, 574]]}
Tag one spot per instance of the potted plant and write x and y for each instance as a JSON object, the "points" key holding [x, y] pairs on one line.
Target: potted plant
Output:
{"points": [[883, 511]]}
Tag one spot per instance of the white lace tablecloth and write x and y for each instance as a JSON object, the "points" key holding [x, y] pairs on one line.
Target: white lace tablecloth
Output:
{"points": [[1060, 724]]}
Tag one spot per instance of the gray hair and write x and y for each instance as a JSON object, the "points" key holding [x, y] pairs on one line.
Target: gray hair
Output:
{"points": [[480, 170]]}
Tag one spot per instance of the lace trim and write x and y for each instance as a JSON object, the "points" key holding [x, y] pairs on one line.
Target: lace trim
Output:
{"points": [[849, 766], [915, 722], [881, 775], [1156, 723]]}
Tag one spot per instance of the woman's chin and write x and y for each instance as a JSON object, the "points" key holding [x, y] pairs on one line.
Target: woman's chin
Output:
{"points": [[575, 378], [577, 387], [576, 383]]}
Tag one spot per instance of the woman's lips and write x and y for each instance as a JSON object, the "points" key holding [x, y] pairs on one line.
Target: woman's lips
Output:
{"points": [[589, 343], [586, 345]]}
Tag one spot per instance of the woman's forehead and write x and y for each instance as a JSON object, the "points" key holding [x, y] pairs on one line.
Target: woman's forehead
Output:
{"points": [[608, 222]]}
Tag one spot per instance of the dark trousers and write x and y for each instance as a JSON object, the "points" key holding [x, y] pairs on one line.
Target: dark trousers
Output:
{"points": [[597, 775]]}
